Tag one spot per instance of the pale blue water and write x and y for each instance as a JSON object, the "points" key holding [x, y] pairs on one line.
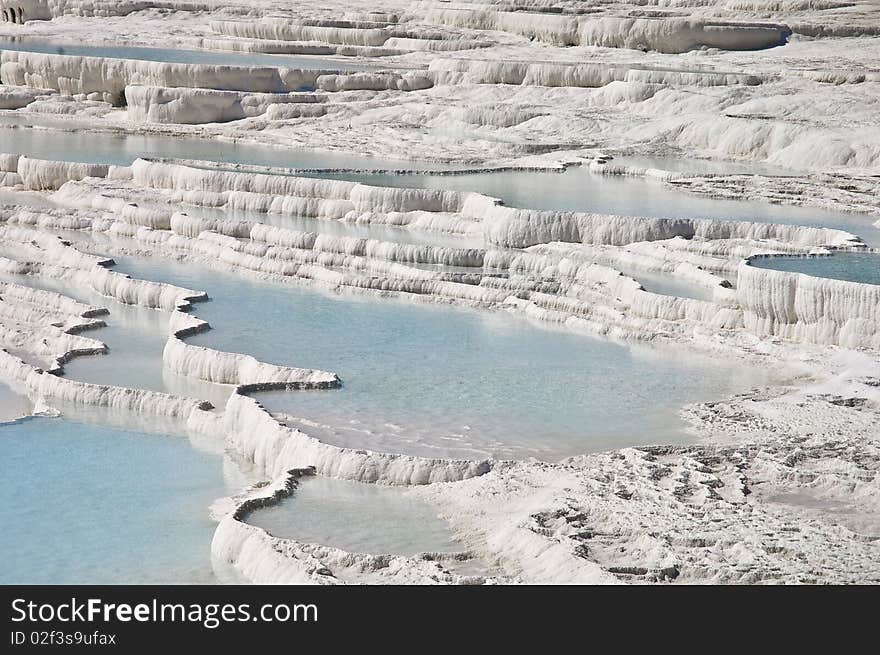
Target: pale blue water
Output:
{"points": [[577, 189], [86, 503], [441, 381], [360, 518], [135, 337], [17, 135], [667, 285], [686, 164], [183, 56], [849, 266]]}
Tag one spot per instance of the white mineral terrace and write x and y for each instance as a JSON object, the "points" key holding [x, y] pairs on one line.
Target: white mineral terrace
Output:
{"points": [[441, 293]]}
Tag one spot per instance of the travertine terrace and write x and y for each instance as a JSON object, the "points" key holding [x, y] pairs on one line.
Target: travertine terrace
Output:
{"points": [[766, 101]]}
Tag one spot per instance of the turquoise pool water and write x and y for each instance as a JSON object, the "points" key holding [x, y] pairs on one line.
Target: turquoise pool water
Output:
{"points": [[112, 501], [86, 503], [442, 381], [18, 135], [849, 266]]}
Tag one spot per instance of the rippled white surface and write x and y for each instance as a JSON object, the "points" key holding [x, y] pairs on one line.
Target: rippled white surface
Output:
{"points": [[340, 228]]}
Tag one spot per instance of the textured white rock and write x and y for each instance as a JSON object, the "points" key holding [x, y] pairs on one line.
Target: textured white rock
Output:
{"points": [[590, 75], [633, 515], [48, 300], [21, 11], [73, 75], [811, 309], [661, 34], [64, 262], [374, 82], [520, 228], [191, 226], [281, 30], [73, 195], [12, 97], [195, 106], [425, 209], [233, 368], [9, 162], [644, 517], [253, 555], [41, 174]]}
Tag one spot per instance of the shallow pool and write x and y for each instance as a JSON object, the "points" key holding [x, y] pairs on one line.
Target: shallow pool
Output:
{"points": [[18, 135], [85, 503], [445, 381], [577, 189], [135, 337], [357, 517], [849, 266], [667, 285]]}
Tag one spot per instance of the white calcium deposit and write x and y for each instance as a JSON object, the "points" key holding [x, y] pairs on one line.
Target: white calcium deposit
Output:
{"points": [[782, 485], [158, 104]]}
